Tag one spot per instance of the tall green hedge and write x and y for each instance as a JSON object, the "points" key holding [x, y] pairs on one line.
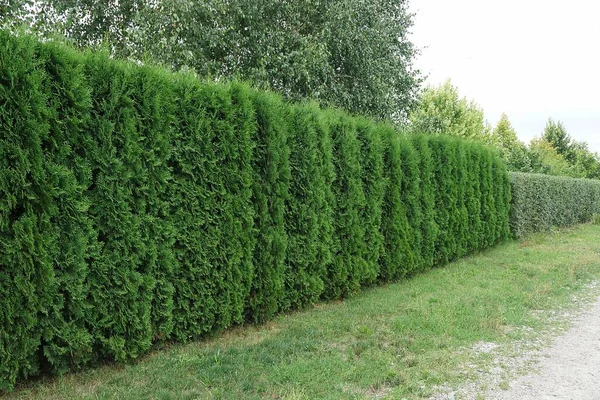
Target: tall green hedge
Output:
{"points": [[65, 335], [373, 186], [396, 256], [139, 206], [348, 268], [542, 202], [270, 191], [308, 211]]}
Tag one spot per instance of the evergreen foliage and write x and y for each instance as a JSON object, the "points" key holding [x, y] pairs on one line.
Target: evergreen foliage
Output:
{"points": [[348, 268], [395, 228], [271, 186], [427, 194], [409, 197], [308, 213], [27, 203], [444, 162], [210, 206], [118, 205], [140, 206], [371, 162]]}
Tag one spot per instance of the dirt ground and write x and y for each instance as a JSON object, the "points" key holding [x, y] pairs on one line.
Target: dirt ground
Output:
{"points": [[560, 363], [569, 369]]}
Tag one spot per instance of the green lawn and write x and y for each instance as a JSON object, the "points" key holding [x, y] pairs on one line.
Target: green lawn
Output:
{"points": [[395, 341]]}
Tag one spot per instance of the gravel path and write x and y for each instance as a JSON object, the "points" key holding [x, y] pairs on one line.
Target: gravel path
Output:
{"points": [[569, 369]]}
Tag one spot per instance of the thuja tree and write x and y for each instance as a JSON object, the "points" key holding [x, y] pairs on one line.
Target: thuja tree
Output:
{"points": [[141, 206], [372, 175], [348, 268]]}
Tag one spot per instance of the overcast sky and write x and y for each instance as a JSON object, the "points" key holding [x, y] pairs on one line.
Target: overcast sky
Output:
{"points": [[532, 59]]}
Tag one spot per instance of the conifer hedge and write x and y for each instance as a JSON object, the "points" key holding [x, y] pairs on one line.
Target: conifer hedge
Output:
{"points": [[139, 206], [542, 202]]}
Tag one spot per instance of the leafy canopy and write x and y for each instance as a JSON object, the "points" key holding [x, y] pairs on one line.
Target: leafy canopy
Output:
{"points": [[583, 162], [546, 160], [556, 134], [513, 151], [353, 54], [442, 111]]}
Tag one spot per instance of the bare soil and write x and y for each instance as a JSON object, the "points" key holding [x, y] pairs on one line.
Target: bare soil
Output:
{"points": [[568, 369]]}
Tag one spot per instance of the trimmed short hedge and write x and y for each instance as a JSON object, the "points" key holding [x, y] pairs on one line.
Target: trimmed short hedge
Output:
{"points": [[139, 206], [542, 202]]}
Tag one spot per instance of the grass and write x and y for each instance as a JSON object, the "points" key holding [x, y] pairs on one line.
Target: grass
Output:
{"points": [[397, 341]]}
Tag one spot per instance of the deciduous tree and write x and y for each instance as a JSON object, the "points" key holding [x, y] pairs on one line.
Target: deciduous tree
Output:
{"points": [[546, 160], [354, 54], [441, 111]]}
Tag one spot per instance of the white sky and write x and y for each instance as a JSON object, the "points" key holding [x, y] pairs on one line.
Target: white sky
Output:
{"points": [[532, 59]]}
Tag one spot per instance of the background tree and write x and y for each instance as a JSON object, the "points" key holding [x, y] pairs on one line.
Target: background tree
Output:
{"points": [[441, 111], [513, 151], [12, 12], [585, 161], [556, 134], [546, 160], [34, 16], [353, 54]]}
